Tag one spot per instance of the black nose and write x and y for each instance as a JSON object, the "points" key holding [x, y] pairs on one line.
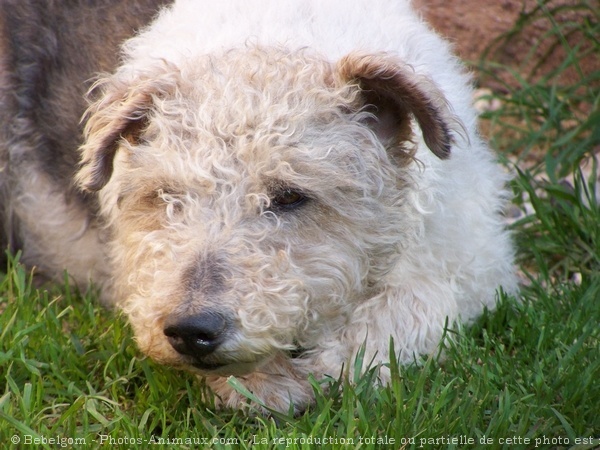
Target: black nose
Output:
{"points": [[198, 335]]}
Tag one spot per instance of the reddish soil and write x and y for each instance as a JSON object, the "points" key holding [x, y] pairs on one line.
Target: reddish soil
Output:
{"points": [[477, 26]]}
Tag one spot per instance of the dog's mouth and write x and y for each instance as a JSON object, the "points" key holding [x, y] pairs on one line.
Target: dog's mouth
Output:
{"points": [[224, 369], [207, 367], [237, 368]]}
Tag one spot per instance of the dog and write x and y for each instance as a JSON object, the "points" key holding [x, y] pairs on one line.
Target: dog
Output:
{"points": [[262, 187]]}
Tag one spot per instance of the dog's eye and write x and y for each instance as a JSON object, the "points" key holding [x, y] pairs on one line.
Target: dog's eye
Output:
{"points": [[172, 199], [288, 199]]}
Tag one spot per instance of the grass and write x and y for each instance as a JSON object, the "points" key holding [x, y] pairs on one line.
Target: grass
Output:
{"points": [[524, 376]]}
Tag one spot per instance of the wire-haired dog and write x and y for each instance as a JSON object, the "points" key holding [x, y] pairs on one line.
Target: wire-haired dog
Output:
{"points": [[264, 186]]}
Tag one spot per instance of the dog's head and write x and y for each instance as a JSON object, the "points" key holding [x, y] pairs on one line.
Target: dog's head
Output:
{"points": [[254, 199]]}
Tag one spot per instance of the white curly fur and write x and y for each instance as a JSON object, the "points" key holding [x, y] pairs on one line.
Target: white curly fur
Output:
{"points": [[219, 104]]}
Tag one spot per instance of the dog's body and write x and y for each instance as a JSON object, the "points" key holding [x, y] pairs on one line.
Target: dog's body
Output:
{"points": [[49, 53], [265, 178]]}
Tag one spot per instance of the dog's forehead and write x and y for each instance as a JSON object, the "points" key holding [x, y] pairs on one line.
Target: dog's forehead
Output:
{"points": [[257, 91], [301, 157], [255, 111]]}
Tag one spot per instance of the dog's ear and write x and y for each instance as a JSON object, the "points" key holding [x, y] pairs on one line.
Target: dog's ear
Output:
{"points": [[119, 114], [393, 92]]}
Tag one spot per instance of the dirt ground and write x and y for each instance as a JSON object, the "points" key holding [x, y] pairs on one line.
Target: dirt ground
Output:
{"points": [[471, 25], [474, 26]]}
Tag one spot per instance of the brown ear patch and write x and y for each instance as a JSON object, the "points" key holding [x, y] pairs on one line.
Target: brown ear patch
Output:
{"points": [[397, 92], [114, 117]]}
